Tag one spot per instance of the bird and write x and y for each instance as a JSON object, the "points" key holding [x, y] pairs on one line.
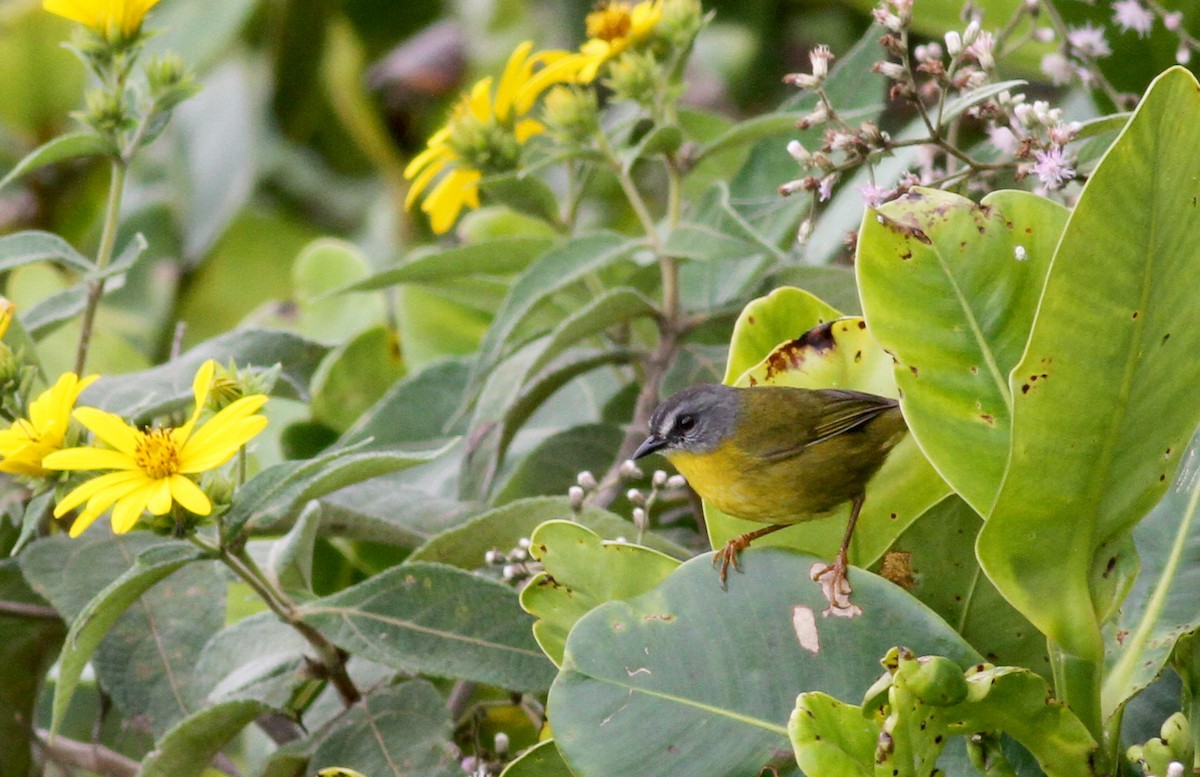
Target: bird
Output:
{"points": [[777, 455]]}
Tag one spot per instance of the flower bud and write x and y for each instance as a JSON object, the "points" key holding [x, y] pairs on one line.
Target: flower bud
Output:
{"points": [[493, 558], [971, 33], [891, 70], [500, 744], [571, 113], [954, 44], [629, 469], [586, 480], [680, 22], [798, 152], [575, 497], [635, 496], [634, 76], [639, 518], [658, 478], [676, 481]]}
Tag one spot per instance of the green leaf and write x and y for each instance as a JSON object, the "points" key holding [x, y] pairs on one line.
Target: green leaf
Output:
{"points": [[501, 529], [554, 270], [289, 564], [541, 760], [436, 389], [661, 139], [690, 674], [979, 272], [144, 394], [1111, 349], [189, 747], [271, 673], [493, 257], [27, 651], [355, 375], [33, 246], [553, 466], [436, 620], [97, 617], [523, 193], [700, 241], [324, 266], [272, 496], [606, 310], [1161, 606], [581, 572], [400, 731], [962, 102], [784, 314], [831, 737], [767, 125], [63, 147]]}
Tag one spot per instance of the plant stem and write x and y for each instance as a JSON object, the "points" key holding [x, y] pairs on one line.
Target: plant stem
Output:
{"points": [[1077, 682], [329, 656], [108, 240]]}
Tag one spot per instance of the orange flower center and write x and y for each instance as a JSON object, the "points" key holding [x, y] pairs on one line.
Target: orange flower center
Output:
{"points": [[610, 22], [156, 454]]}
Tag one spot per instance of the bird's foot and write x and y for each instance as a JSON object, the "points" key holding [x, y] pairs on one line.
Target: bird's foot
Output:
{"points": [[728, 556], [836, 588]]}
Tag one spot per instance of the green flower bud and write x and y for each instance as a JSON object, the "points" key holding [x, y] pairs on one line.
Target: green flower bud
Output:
{"points": [[106, 112], [571, 113], [934, 680], [634, 76], [681, 21], [229, 384]]}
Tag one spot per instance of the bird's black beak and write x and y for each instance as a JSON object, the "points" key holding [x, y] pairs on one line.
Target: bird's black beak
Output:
{"points": [[652, 443]]}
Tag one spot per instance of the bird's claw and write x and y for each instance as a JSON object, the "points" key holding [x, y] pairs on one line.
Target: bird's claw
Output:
{"points": [[836, 588]]}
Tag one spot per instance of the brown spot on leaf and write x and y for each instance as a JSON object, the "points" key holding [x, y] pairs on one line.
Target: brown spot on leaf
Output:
{"points": [[749, 319], [662, 617], [904, 230], [857, 357], [974, 370], [913, 369], [1135, 315], [1025, 388], [988, 419], [897, 567]]}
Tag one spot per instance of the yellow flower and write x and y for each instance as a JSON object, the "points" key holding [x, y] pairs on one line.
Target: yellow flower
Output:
{"points": [[106, 17], [7, 311], [153, 465], [485, 134], [26, 443], [612, 29]]}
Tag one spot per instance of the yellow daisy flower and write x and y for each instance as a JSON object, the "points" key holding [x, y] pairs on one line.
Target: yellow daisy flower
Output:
{"points": [[106, 17], [612, 29], [153, 465], [26, 443], [485, 134]]}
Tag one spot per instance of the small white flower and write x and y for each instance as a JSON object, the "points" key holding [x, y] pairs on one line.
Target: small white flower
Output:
{"points": [[1044, 34], [676, 481], [586, 480], [1183, 54], [825, 190], [820, 57], [1058, 68], [982, 49], [872, 195], [798, 152], [1172, 20], [630, 469], [892, 70], [1051, 168], [1131, 15], [639, 517], [953, 43], [635, 496], [1003, 139], [575, 496], [658, 478], [971, 33], [1089, 41]]}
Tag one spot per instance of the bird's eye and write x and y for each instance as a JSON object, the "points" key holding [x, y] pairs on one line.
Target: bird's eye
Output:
{"points": [[685, 422]]}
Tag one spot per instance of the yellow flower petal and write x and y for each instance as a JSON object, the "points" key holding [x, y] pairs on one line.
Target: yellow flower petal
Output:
{"points": [[480, 100], [527, 128], [212, 452], [110, 428], [515, 73], [447, 198], [160, 497], [561, 70], [88, 458], [188, 494], [427, 175], [114, 483], [201, 385], [431, 153], [129, 508]]}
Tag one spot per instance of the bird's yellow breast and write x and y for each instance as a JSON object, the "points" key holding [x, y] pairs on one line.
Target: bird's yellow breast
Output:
{"points": [[740, 485]]}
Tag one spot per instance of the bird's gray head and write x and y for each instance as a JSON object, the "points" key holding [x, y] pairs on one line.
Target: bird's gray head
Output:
{"points": [[695, 420]]}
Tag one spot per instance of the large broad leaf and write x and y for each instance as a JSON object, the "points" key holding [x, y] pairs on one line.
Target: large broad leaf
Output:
{"points": [[394, 731], [1098, 436], [690, 674], [98, 616], [950, 289], [188, 748], [27, 650], [437, 620], [1161, 606], [270, 673]]}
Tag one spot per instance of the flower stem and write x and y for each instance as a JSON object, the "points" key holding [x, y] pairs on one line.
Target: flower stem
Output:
{"points": [[108, 240], [331, 658]]}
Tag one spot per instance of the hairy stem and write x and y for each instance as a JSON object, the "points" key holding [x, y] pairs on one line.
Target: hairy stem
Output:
{"points": [[108, 240]]}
